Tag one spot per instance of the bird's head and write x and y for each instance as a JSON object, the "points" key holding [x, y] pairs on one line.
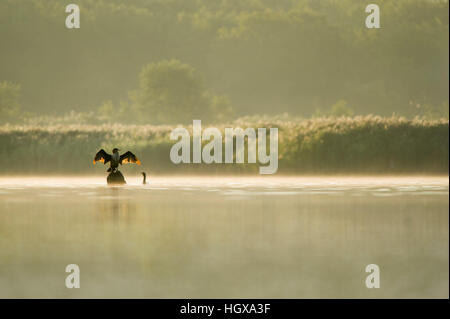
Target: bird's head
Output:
{"points": [[115, 150]]}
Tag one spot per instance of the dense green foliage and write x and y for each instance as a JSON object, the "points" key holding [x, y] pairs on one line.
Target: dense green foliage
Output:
{"points": [[171, 92], [323, 145], [267, 56], [9, 101]]}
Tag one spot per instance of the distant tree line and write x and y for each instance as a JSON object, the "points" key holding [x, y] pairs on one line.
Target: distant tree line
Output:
{"points": [[223, 58]]}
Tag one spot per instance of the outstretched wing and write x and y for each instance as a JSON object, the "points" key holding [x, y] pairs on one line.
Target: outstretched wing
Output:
{"points": [[102, 156], [129, 157]]}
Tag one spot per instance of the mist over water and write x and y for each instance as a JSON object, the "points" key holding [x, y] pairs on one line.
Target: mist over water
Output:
{"points": [[225, 237]]}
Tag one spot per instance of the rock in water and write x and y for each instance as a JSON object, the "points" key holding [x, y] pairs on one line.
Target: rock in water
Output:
{"points": [[115, 178]]}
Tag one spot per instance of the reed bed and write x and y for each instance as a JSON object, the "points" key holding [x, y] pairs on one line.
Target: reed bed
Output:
{"points": [[364, 144]]}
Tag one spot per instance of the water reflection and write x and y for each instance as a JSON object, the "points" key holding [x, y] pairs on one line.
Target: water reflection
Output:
{"points": [[115, 206]]}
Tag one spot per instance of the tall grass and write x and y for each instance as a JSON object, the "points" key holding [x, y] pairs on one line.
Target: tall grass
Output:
{"points": [[368, 144]]}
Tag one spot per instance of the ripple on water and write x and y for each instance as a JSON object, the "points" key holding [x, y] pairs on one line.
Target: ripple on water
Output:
{"points": [[386, 194], [382, 190], [430, 193], [50, 194], [87, 194]]}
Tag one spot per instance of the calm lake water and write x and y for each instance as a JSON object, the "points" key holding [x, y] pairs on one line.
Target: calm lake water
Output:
{"points": [[232, 237]]}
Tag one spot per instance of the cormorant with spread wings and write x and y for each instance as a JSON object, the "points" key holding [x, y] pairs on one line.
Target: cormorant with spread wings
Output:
{"points": [[115, 159]]}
